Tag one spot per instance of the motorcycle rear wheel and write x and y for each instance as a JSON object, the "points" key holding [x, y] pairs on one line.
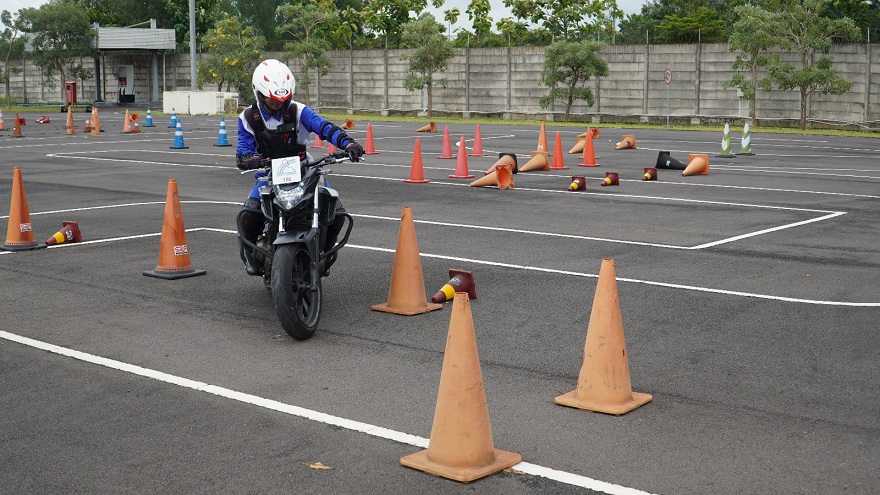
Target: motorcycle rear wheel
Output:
{"points": [[298, 307]]}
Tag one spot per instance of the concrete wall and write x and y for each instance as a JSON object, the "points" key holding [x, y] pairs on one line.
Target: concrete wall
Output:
{"points": [[507, 82]]}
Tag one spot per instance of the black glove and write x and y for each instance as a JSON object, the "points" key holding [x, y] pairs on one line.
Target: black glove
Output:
{"points": [[250, 163], [354, 150]]}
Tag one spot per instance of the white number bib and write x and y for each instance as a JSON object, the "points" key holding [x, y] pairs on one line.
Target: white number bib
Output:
{"points": [[286, 170]]}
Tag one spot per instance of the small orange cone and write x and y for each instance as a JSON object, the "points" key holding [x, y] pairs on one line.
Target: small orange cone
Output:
{"points": [[16, 127], [611, 179], [446, 151], [542, 140], [604, 383], [126, 124], [650, 173], [459, 281], [134, 123], [478, 144], [461, 165], [88, 126], [19, 232], [627, 142], [539, 161], [349, 124], [578, 183], [318, 142], [174, 259], [331, 148], [369, 147], [69, 233], [698, 165], [416, 171], [71, 129], [96, 122], [558, 159], [406, 295], [2, 124], [461, 446], [430, 127], [589, 159]]}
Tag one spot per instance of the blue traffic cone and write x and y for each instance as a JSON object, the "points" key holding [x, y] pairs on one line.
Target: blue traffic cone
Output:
{"points": [[149, 119], [178, 138], [173, 119], [221, 138]]}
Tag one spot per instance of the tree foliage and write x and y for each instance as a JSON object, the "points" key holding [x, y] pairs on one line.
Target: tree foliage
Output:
{"points": [[568, 66], [568, 18], [11, 45], [751, 36], [431, 54], [307, 25], [385, 18], [232, 53]]}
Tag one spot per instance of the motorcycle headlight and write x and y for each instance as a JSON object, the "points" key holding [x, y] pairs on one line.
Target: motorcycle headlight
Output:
{"points": [[288, 198]]}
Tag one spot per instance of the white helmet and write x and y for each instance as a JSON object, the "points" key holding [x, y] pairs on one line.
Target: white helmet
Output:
{"points": [[273, 80]]}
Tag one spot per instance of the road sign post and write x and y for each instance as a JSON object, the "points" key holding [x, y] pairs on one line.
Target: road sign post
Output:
{"points": [[667, 78]]}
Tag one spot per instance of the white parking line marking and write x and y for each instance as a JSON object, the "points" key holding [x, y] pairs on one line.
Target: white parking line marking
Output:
{"points": [[309, 414]]}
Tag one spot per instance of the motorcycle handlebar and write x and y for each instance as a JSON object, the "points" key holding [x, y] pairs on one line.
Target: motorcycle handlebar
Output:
{"points": [[335, 157]]}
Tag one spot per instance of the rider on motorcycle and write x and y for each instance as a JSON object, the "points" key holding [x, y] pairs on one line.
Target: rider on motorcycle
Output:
{"points": [[278, 127]]}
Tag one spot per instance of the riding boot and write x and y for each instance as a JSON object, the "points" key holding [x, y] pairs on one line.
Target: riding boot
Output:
{"points": [[252, 224], [247, 256]]}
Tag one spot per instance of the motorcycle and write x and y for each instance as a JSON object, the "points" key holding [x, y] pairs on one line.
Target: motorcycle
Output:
{"points": [[298, 207]]}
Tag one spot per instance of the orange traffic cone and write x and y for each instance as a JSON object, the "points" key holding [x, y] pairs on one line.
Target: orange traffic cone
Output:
{"points": [[416, 171], [16, 127], [69, 233], [71, 129], [500, 174], [446, 151], [604, 383], [331, 148], [318, 142], [461, 446], [478, 144], [349, 124], [430, 127], [504, 160], [582, 139], [19, 232], [459, 281], [96, 122], [369, 147], [627, 142], [407, 293], [134, 123], [542, 140], [2, 124], [174, 259], [650, 173], [611, 179], [698, 165], [558, 160], [578, 183], [539, 161], [589, 153], [126, 124], [461, 165]]}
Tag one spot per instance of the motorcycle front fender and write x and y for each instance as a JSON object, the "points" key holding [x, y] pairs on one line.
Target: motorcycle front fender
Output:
{"points": [[307, 238]]}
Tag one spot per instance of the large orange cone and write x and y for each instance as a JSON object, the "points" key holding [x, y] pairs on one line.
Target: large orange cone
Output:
{"points": [[461, 165], [558, 159], [369, 147], [16, 127], [698, 165], [349, 124], [174, 259], [417, 171], [19, 232], [504, 160], [478, 144], [406, 295], [539, 161], [126, 124], [581, 140], [604, 383], [578, 183], [69, 233], [71, 129], [499, 175], [446, 151], [2, 124], [430, 127], [459, 281], [611, 179], [650, 173], [461, 446], [627, 142], [589, 158], [96, 122], [542, 140]]}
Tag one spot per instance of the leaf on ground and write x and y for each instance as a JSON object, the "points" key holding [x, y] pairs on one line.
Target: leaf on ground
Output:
{"points": [[318, 465], [513, 471]]}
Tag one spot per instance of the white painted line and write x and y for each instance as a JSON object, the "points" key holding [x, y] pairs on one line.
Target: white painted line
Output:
{"points": [[309, 414]]}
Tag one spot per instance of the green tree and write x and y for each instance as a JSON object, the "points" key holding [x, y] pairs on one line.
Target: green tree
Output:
{"points": [[644, 26], [451, 17], [564, 18], [431, 54], [232, 53], [802, 28], [61, 34], [478, 14], [752, 35], [260, 15], [702, 25], [207, 15], [11, 45], [568, 66], [306, 24], [385, 18]]}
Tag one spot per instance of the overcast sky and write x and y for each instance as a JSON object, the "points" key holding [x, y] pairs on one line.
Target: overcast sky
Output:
{"points": [[497, 13]]}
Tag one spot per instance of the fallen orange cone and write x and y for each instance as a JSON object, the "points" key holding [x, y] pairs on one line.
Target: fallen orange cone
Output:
{"points": [[499, 175], [174, 261], [406, 295], [650, 173], [459, 281], [626, 143], [461, 446], [19, 231], [604, 381], [69, 233], [349, 124], [698, 165], [430, 127], [578, 183], [611, 179]]}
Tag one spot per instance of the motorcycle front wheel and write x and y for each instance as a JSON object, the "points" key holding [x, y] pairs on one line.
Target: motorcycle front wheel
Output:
{"points": [[298, 307]]}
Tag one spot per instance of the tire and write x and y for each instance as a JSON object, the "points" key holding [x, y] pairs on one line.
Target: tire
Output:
{"points": [[298, 308]]}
